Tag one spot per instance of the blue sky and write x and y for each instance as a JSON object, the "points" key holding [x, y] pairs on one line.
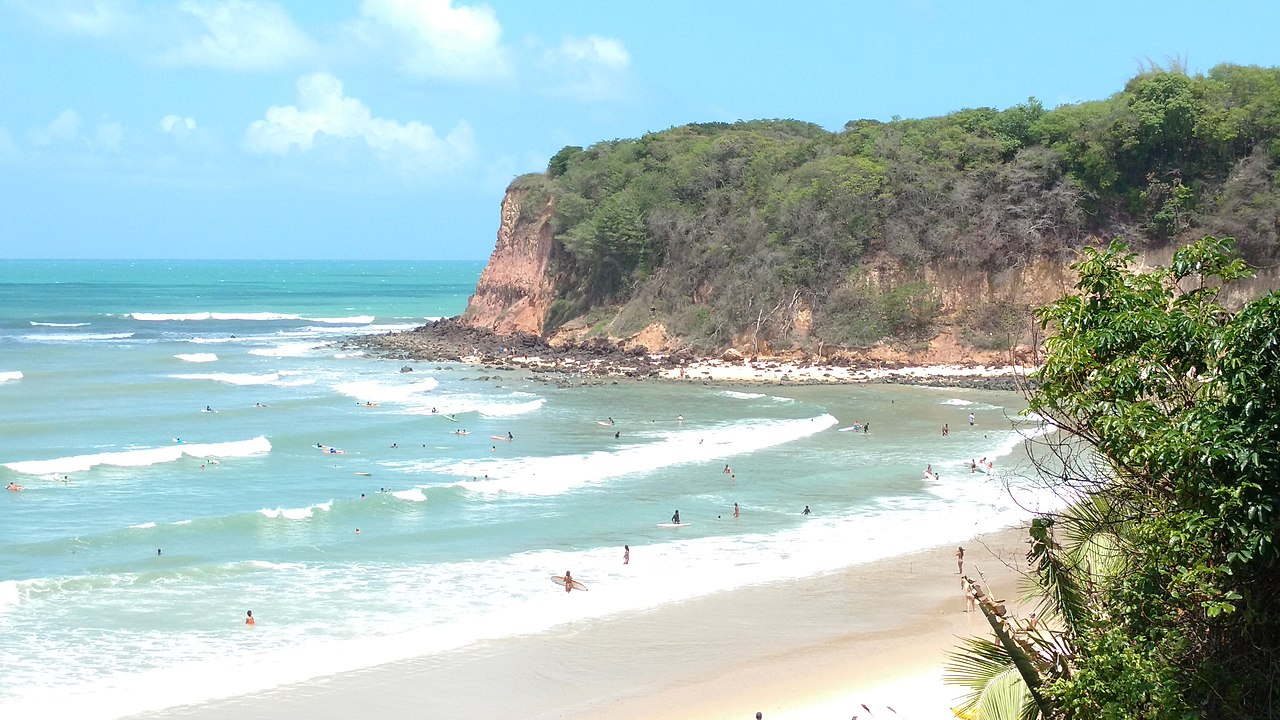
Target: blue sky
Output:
{"points": [[390, 128]]}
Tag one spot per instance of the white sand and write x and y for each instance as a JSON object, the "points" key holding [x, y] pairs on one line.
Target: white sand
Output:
{"points": [[821, 647]]}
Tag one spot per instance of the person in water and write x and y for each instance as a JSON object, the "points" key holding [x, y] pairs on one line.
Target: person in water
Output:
{"points": [[736, 511], [568, 581], [14, 487], [510, 436], [249, 618], [676, 518], [806, 511]]}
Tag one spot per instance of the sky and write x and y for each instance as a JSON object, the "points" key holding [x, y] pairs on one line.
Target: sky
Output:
{"points": [[389, 129]]}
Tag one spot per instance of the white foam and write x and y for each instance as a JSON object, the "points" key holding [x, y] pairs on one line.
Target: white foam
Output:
{"points": [[142, 526], [166, 317], [53, 324], [412, 495], [5, 376], [296, 513], [142, 457], [957, 401], [275, 378], [295, 349], [559, 473], [197, 357], [741, 395], [380, 392], [75, 337]]}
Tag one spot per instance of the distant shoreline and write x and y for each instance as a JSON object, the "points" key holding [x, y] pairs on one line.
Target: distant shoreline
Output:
{"points": [[446, 340]]}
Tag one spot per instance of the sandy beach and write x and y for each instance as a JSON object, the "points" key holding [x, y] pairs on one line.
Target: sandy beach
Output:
{"points": [[873, 635]]}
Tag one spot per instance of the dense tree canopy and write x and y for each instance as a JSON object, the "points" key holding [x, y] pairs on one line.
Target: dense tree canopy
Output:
{"points": [[742, 218], [1161, 581]]}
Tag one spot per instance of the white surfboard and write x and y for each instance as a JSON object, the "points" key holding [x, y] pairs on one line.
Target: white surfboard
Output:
{"points": [[674, 525]]}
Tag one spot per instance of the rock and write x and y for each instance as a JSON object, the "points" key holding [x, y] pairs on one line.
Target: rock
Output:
{"points": [[731, 355]]}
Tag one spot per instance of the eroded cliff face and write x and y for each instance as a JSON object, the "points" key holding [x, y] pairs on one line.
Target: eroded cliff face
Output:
{"points": [[517, 287]]}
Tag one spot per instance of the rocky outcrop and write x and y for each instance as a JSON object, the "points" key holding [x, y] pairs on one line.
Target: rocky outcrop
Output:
{"points": [[518, 286]]}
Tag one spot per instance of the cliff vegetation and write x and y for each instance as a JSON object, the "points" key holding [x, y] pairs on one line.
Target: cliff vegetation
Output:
{"points": [[772, 235]]}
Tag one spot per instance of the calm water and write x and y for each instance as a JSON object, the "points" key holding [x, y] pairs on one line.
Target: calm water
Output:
{"points": [[148, 525]]}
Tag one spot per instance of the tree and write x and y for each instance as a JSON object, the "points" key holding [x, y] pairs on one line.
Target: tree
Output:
{"points": [[1167, 404]]}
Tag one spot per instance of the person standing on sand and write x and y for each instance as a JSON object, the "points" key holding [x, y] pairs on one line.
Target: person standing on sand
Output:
{"points": [[626, 554], [960, 560]]}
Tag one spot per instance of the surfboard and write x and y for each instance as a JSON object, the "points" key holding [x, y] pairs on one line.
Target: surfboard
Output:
{"points": [[559, 580], [450, 417], [851, 427], [606, 424], [500, 437], [674, 525], [931, 476], [364, 474]]}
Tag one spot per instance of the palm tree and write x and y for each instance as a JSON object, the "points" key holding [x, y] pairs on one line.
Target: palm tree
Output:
{"points": [[1007, 672]]}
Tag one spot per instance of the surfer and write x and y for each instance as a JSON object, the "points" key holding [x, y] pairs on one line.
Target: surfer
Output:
{"points": [[249, 618], [510, 436], [929, 469], [610, 421], [617, 435], [676, 518], [736, 512], [727, 470], [806, 511], [568, 581], [626, 554], [14, 487]]}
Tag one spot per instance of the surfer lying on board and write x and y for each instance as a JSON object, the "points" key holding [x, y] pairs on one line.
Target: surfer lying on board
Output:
{"points": [[14, 487]]}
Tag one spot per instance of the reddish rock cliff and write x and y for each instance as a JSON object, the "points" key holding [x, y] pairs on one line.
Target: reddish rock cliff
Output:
{"points": [[517, 286]]}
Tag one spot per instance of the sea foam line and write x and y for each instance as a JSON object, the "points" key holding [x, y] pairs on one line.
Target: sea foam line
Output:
{"points": [[143, 457], [559, 473], [248, 316], [10, 375]]}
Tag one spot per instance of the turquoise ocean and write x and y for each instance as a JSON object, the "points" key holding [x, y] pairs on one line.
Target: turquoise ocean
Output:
{"points": [[164, 420]]}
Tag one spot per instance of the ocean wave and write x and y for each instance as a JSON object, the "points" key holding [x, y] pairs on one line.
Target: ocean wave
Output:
{"points": [[296, 349], [740, 395], [74, 337], [248, 317], [276, 378], [355, 320], [143, 526], [380, 392], [301, 513], [53, 324], [10, 375], [560, 473], [142, 457], [412, 495], [197, 357]]}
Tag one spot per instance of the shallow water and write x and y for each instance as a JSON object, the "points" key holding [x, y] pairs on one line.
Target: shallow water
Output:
{"points": [[133, 556]]}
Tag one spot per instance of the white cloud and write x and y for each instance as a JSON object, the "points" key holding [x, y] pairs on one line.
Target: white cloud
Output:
{"points": [[63, 128], [177, 125], [108, 136], [325, 113], [589, 68], [436, 39], [98, 18], [237, 35]]}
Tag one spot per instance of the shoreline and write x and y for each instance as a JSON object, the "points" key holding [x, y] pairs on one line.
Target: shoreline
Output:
{"points": [[815, 647], [446, 340]]}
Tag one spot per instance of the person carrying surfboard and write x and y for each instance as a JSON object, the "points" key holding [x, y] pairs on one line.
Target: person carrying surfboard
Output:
{"points": [[568, 581]]}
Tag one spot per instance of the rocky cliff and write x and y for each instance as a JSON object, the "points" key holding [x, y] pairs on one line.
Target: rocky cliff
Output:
{"points": [[517, 287]]}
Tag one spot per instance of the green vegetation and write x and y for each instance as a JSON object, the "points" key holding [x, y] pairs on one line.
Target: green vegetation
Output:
{"points": [[1159, 584], [756, 220]]}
